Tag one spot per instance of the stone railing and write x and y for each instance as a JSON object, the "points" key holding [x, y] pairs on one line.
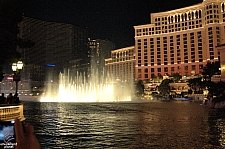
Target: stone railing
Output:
{"points": [[11, 112]]}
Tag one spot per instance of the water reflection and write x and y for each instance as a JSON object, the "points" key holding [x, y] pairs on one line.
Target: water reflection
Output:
{"points": [[126, 125], [216, 120]]}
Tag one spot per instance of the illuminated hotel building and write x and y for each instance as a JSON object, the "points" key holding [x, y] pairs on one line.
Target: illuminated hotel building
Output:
{"points": [[121, 64], [180, 40]]}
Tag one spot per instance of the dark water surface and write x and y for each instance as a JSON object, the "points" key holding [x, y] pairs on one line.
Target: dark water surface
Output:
{"points": [[169, 125]]}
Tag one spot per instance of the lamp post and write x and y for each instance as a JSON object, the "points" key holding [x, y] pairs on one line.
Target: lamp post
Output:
{"points": [[16, 68]]}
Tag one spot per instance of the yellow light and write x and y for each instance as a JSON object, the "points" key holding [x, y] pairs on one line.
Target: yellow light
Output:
{"points": [[19, 65]]}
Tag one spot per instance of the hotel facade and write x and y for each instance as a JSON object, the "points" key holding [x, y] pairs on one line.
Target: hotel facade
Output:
{"points": [[58, 46], [180, 40], [121, 65]]}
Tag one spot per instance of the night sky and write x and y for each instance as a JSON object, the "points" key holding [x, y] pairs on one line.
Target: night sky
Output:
{"points": [[112, 20]]}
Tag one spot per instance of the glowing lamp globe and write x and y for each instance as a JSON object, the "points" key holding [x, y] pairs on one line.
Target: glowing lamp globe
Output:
{"points": [[19, 65]]}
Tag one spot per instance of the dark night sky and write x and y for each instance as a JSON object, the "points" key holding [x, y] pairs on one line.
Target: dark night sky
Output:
{"points": [[112, 20]]}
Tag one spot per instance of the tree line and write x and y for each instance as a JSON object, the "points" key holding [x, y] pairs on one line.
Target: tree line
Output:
{"points": [[216, 90]]}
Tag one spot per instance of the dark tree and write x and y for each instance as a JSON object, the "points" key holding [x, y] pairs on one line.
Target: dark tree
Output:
{"points": [[153, 77], [196, 84], [210, 69], [216, 91], [176, 77], [160, 77], [164, 88], [139, 88]]}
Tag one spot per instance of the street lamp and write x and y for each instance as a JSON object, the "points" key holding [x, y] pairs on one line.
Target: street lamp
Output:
{"points": [[16, 68]]}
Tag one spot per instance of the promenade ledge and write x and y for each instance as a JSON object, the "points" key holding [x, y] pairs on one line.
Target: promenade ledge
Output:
{"points": [[10, 112]]}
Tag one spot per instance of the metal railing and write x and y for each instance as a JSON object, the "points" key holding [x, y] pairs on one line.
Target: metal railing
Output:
{"points": [[10, 112]]}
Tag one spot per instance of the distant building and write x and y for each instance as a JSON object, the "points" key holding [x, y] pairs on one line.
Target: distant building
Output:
{"points": [[98, 51], [121, 65], [180, 40], [57, 46]]}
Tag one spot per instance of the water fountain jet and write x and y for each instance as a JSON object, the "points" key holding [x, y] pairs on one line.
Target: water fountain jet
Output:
{"points": [[77, 88]]}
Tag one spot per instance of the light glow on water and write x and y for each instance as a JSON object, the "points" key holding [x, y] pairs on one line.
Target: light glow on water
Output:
{"points": [[77, 89]]}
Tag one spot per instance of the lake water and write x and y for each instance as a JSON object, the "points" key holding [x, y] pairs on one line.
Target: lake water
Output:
{"points": [[150, 125]]}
